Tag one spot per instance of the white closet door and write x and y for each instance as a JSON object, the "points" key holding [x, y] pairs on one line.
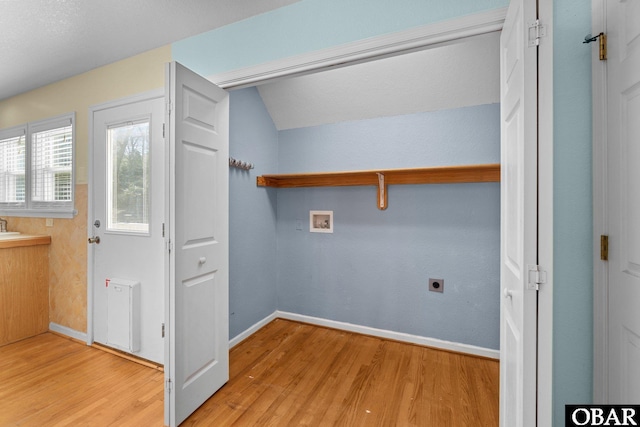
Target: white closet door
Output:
{"points": [[518, 91], [198, 277]]}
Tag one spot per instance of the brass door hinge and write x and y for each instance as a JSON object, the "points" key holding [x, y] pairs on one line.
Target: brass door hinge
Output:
{"points": [[603, 46], [604, 247]]}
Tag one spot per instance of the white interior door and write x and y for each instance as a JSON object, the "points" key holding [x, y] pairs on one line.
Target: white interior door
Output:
{"points": [[623, 128], [198, 211], [127, 197], [518, 322]]}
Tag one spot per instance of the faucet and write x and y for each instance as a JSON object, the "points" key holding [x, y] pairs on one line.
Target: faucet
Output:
{"points": [[3, 225]]}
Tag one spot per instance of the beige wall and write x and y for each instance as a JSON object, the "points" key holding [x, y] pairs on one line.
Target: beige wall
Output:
{"points": [[68, 255]]}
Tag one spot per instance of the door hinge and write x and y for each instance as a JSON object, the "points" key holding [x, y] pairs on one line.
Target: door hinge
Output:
{"points": [[537, 277], [604, 247], [169, 245], [169, 105], [536, 31], [163, 330], [602, 43], [603, 47], [168, 385], [163, 130], [163, 229]]}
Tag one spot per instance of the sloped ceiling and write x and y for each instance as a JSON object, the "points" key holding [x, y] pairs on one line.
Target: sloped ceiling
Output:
{"points": [[457, 74], [44, 41]]}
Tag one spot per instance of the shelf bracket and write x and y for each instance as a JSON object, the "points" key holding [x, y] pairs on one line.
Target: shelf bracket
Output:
{"points": [[382, 192]]}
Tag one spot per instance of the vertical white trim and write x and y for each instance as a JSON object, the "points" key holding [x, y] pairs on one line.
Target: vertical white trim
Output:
{"points": [[545, 215], [600, 217], [90, 215]]}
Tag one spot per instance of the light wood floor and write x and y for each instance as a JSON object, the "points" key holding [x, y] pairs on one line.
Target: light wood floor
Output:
{"points": [[287, 374]]}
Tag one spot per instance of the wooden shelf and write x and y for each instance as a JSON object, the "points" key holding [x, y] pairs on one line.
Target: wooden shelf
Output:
{"points": [[383, 177]]}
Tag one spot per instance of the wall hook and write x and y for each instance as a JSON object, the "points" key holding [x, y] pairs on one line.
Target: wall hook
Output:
{"points": [[235, 163], [603, 43], [589, 38]]}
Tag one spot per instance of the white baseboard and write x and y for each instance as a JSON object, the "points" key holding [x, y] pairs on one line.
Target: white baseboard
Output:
{"points": [[251, 330], [72, 333], [365, 330]]}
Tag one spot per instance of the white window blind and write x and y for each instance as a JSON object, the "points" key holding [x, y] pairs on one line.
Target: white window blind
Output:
{"points": [[51, 163], [12, 161], [36, 168]]}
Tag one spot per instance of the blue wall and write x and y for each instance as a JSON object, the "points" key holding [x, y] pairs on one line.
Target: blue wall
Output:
{"points": [[252, 213], [374, 269], [451, 137], [573, 237], [310, 25]]}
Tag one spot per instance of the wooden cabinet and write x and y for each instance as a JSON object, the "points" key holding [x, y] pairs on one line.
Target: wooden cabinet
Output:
{"points": [[24, 288]]}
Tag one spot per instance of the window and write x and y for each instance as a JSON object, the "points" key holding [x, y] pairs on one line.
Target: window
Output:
{"points": [[36, 168], [128, 181], [12, 160]]}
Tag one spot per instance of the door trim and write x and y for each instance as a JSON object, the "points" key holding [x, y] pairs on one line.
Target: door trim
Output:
{"points": [[545, 215], [429, 35], [145, 96], [364, 50], [600, 216]]}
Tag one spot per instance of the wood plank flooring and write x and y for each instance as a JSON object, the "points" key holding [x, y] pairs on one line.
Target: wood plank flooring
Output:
{"points": [[286, 374], [48, 380]]}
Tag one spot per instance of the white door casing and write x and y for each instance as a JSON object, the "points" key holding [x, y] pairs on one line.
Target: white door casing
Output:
{"points": [[518, 94], [623, 204], [136, 256], [197, 344]]}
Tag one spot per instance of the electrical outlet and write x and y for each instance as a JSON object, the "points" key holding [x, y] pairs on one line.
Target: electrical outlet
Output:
{"points": [[436, 285], [49, 222]]}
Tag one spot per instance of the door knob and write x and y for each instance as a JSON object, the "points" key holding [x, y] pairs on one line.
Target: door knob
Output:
{"points": [[94, 239], [507, 293]]}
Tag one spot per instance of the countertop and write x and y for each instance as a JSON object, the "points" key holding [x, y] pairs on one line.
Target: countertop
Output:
{"points": [[21, 240]]}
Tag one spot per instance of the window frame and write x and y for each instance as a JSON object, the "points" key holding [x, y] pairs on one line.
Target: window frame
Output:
{"points": [[37, 208], [10, 133]]}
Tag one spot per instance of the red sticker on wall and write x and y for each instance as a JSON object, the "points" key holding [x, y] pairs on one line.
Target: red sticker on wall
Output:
{"points": [[106, 282]]}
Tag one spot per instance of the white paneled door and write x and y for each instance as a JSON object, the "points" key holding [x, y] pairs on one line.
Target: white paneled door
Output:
{"points": [[623, 193], [518, 318], [197, 344]]}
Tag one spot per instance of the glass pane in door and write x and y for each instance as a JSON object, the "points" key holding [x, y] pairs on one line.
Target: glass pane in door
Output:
{"points": [[128, 177]]}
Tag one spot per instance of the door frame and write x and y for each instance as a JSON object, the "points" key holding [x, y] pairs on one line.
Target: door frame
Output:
{"points": [[145, 96], [437, 34], [600, 216]]}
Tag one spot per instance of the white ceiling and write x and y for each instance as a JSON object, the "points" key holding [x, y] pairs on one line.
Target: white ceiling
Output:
{"points": [[458, 74], [44, 41]]}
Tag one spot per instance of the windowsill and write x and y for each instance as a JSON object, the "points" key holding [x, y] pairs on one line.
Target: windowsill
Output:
{"points": [[40, 213]]}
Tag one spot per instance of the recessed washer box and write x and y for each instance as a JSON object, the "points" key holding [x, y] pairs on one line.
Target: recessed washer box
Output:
{"points": [[321, 221]]}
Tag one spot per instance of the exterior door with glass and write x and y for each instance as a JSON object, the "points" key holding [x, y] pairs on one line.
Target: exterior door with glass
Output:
{"points": [[127, 245]]}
